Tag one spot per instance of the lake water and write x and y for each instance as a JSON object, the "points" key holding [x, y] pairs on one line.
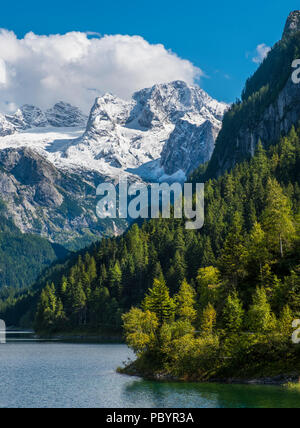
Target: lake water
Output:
{"points": [[43, 374]]}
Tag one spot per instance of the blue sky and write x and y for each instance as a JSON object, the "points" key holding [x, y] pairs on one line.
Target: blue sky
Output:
{"points": [[217, 36]]}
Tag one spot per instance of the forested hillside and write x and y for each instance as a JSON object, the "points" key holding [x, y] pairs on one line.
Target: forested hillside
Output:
{"points": [[233, 318], [23, 256], [249, 240], [209, 303], [268, 109]]}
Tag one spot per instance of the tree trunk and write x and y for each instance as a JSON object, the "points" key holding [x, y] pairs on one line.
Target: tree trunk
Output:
{"points": [[281, 247]]}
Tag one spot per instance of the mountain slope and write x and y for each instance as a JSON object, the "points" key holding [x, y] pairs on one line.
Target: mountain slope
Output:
{"points": [[54, 204], [50, 164], [128, 135], [61, 115], [238, 238], [269, 107], [23, 257], [132, 137]]}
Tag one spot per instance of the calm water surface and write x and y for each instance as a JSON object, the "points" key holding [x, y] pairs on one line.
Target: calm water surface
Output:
{"points": [[38, 374]]}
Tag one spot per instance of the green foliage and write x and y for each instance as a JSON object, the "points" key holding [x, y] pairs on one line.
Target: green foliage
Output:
{"points": [[277, 218], [140, 330], [197, 303], [33, 255], [185, 303], [159, 302], [208, 320], [260, 316], [233, 314]]}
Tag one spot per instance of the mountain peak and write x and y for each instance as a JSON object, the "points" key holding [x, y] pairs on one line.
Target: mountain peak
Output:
{"points": [[6, 128], [65, 115], [292, 24]]}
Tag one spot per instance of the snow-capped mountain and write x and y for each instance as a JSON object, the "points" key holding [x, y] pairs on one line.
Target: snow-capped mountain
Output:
{"points": [[65, 115], [164, 130], [188, 146], [140, 135], [61, 115], [28, 117], [52, 161], [6, 127]]}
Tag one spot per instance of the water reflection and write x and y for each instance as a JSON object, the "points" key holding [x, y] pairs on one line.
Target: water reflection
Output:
{"points": [[193, 395], [41, 374]]}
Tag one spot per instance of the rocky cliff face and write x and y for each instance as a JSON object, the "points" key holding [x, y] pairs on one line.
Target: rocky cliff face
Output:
{"points": [[187, 153], [41, 199], [275, 121], [28, 117], [6, 127], [292, 24], [65, 115], [61, 115], [269, 110], [175, 122]]}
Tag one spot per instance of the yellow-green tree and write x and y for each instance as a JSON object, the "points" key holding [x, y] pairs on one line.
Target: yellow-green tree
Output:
{"points": [[233, 313], [260, 316], [185, 303], [159, 302], [208, 282], [208, 320], [140, 330], [277, 218]]}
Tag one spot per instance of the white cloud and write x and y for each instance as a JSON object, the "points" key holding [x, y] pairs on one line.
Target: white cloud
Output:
{"points": [[76, 67], [261, 53]]}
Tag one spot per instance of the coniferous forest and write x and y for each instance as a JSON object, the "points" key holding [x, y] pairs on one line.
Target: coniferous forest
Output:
{"points": [[197, 305], [194, 304]]}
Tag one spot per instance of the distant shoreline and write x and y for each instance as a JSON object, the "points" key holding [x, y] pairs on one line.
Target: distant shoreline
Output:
{"points": [[82, 337]]}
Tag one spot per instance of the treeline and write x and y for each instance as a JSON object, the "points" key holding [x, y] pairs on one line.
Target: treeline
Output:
{"points": [[249, 244]]}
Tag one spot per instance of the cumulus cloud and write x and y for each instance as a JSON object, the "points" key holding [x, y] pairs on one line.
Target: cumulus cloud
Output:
{"points": [[76, 67], [261, 53]]}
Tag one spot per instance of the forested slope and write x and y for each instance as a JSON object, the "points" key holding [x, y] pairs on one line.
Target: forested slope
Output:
{"points": [[268, 109], [23, 256], [97, 287]]}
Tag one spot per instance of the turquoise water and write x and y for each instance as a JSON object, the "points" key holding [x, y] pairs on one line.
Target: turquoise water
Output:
{"points": [[38, 374]]}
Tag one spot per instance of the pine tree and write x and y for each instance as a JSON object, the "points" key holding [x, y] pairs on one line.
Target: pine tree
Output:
{"points": [[159, 302], [208, 320], [208, 286], [260, 316], [277, 218], [234, 255], [285, 322], [257, 252], [115, 279], [185, 303], [233, 313]]}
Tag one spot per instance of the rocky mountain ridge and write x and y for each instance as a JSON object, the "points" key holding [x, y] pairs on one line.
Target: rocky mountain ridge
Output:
{"points": [[51, 162], [269, 107], [56, 205], [28, 116], [129, 134]]}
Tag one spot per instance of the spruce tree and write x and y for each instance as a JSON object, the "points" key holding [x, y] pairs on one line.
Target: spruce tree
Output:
{"points": [[159, 302]]}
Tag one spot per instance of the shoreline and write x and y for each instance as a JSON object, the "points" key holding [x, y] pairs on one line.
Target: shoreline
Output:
{"points": [[81, 336], [285, 380]]}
